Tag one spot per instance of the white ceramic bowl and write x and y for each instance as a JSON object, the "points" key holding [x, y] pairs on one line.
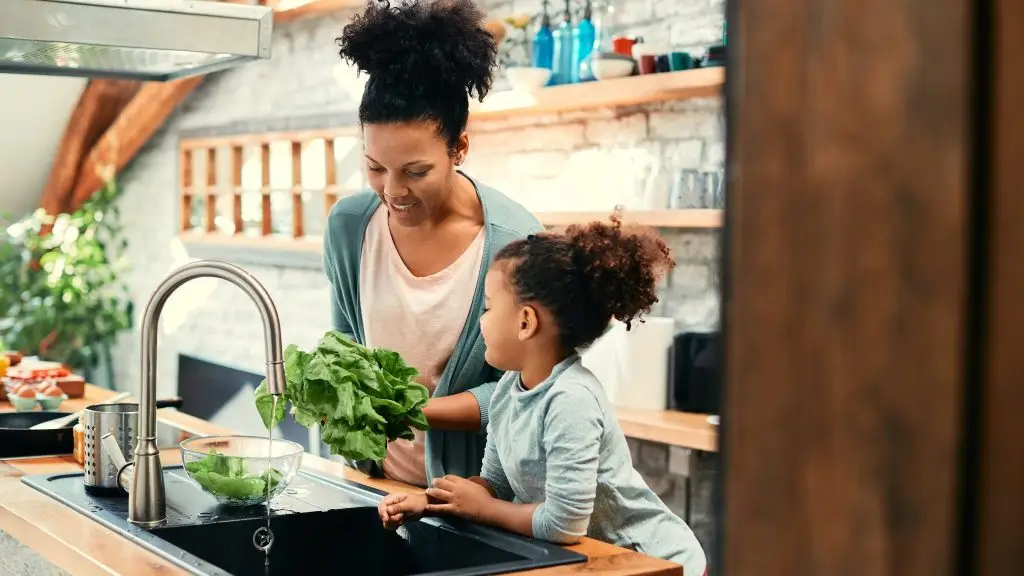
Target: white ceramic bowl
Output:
{"points": [[607, 68], [527, 78], [51, 402], [22, 404]]}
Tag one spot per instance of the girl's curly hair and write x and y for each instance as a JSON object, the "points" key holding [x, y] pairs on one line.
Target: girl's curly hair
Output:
{"points": [[424, 58], [588, 275]]}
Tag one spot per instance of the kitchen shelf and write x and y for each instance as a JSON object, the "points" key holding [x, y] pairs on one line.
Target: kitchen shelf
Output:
{"points": [[274, 242], [703, 218], [630, 91], [684, 429], [681, 219]]}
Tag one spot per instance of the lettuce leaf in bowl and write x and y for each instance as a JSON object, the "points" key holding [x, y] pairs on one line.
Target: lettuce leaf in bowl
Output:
{"points": [[226, 476], [362, 397]]}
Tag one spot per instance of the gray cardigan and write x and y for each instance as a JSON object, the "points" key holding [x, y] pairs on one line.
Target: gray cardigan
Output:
{"points": [[447, 452]]}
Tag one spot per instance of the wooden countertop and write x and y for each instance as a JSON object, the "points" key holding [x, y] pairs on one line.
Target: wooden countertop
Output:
{"points": [[83, 547], [684, 429]]}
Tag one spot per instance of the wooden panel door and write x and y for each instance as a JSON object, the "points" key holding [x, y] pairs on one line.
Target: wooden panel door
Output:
{"points": [[997, 527], [849, 235]]}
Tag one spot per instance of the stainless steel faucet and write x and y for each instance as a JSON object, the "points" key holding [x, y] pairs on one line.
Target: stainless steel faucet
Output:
{"points": [[147, 505]]}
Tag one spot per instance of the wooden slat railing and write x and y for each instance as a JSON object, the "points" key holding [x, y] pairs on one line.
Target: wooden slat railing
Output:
{"points": [[299, 193], [305, 201]]}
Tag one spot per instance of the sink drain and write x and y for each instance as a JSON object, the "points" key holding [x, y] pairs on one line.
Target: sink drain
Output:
{"points": [[263, 539]]}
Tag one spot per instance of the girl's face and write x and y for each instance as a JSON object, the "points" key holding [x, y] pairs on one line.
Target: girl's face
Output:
{"points": [[411, 168], [505, 324]]}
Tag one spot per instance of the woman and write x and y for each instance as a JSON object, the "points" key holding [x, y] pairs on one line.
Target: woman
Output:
{"points": [[407, 259]]}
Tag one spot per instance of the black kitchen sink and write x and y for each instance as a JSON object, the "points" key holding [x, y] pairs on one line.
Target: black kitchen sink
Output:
{"points": [[351, 541], [319, 523]]}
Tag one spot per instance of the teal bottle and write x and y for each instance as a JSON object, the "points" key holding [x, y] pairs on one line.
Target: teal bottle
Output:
{"points": [[582, 45], [561, 70], [544, 43]]}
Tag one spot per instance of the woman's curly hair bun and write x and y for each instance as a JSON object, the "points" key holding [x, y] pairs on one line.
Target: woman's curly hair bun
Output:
{"points": [[437, 45]]}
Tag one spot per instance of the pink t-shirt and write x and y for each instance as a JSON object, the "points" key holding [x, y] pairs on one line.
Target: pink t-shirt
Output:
{"points": [[418, 317]]}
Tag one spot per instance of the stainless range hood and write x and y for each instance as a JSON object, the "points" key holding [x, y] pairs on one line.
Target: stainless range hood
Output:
{"points": [[154, 40]]}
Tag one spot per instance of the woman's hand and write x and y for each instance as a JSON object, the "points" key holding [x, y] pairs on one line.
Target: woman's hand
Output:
{"points": [[397, 509], [459, 496]]}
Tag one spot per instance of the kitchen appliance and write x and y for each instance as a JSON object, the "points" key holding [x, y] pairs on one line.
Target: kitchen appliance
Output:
{"points": [[120, 420], [152, 40], [315, 513], [696, 372]]}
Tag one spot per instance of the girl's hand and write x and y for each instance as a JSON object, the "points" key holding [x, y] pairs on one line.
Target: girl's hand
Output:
{"points": [[460, 497], [397, 509]]}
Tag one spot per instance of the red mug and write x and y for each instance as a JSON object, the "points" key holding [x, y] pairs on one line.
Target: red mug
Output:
{"points": [[648, 64], [624, 45]]}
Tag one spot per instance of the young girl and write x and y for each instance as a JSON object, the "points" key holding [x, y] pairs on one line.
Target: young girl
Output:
{"points": [[556, 465]]}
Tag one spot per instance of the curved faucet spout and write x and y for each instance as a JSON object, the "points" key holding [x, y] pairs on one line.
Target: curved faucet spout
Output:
{"points": [[146, 500]]}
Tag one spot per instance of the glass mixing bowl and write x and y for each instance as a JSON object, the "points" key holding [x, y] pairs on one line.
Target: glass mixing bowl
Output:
{"points": [[237, 469]]}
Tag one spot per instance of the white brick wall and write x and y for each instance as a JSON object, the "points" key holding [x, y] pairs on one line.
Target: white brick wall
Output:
{"points": [[582, 161], [587, 160]]}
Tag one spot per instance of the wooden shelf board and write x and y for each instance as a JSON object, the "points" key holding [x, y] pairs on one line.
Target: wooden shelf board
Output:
{"points": [[630, 91], [670, 427], [696, 219], [704, 218], [309, 244]]}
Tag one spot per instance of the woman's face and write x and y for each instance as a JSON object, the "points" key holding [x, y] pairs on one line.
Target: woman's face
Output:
{"points": [[502, 322], [410, 167]]}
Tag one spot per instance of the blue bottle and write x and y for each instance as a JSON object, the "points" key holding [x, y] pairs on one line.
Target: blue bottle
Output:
{"points": [[582, 45], [561, 71], [544, 42]]}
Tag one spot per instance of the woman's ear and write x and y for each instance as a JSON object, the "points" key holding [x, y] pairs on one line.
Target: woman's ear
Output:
{"points": [[462, 149], [528, 323]]}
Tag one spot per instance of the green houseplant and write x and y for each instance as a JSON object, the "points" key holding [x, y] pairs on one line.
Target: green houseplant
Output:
{"points": [[62, 293]]}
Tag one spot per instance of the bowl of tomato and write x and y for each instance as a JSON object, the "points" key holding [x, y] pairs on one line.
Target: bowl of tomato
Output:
{"points": [[24, 398], [51, 397]]}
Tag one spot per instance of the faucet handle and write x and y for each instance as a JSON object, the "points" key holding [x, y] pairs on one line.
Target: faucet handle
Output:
{"points": [[113, 449]]}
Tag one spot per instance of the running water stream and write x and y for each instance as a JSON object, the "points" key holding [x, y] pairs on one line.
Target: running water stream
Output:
{"points": [[263, 538]]}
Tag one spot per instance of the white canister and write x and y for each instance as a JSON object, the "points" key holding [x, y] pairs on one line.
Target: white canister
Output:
{"points": [[633, 366], [645, 383], [607, 359]]}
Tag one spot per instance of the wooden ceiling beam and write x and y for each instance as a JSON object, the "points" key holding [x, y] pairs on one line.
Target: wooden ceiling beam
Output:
{"points": [[136, 124], [99, 105]]}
